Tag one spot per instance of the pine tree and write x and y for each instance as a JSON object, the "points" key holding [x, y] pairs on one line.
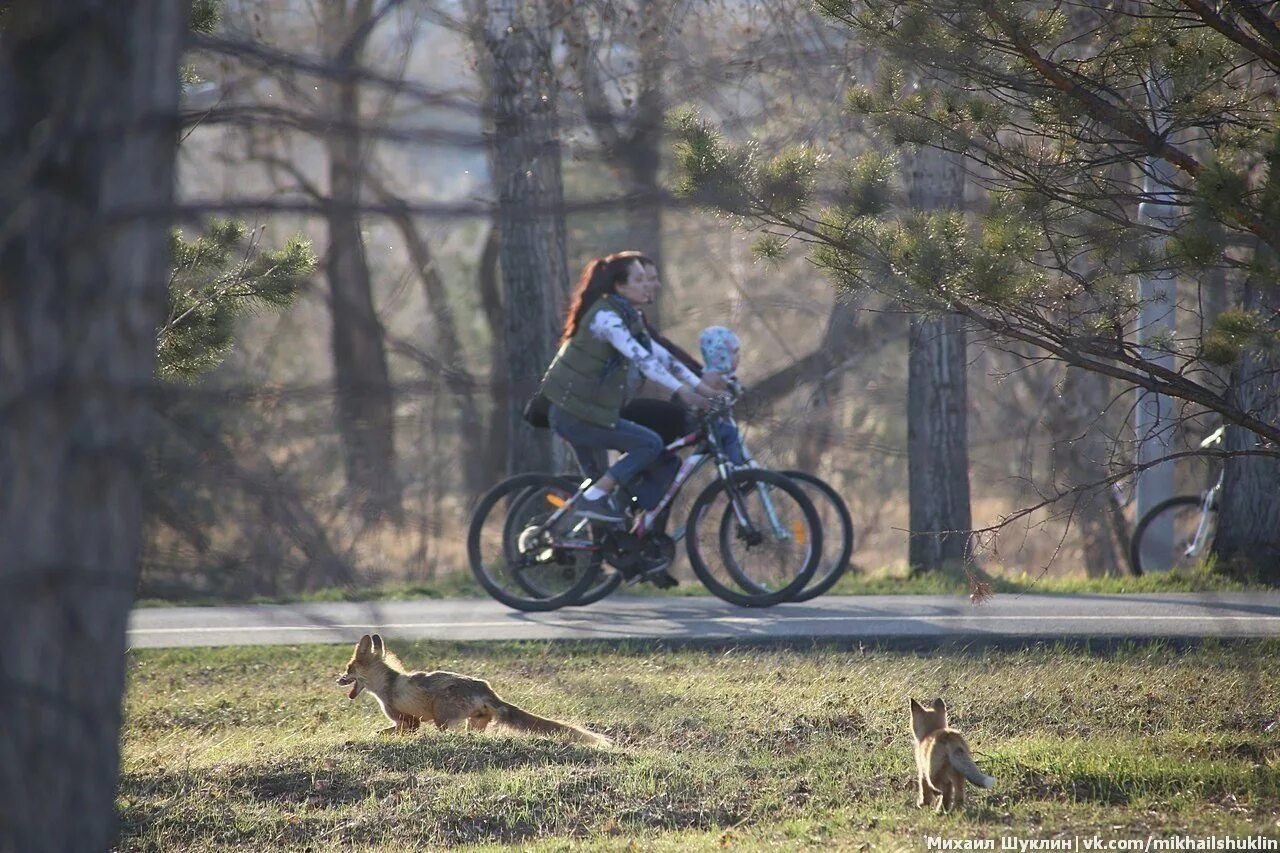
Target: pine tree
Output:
{"points": [[1050, 107], [218, 277]]}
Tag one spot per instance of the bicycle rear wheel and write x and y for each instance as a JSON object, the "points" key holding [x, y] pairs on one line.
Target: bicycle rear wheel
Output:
{"points": [[518, 559], [767, 551], [542, 500], [837, 534], [1182, 513]]}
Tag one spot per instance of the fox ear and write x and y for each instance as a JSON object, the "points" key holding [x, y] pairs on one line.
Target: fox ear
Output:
{"points": [[916, 707], [939, 705], [364, 646], [378, 648]]}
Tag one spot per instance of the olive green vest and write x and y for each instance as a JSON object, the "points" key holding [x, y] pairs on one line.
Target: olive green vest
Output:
{"points": [[588, 377]]}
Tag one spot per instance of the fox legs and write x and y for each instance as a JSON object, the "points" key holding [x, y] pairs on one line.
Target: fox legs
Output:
{"points": [[955, 782], [927, 792], [401, 724]]}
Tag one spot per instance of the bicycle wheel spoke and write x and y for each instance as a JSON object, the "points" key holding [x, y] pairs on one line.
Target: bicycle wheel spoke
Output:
{"points": [[1175, 535], [525, 551], [755, 541], [837, 534]]}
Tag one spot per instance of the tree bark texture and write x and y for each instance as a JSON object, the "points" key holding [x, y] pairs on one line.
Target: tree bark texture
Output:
{"points": [[937, 444], [937, 398], [88, 134], [1080, 448], [362, 381], [491, 307], [640, 156], [1248, 540], [525, 162]]}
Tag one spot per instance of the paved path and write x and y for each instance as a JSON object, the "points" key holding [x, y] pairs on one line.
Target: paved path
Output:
{"points": [[891, 619]]}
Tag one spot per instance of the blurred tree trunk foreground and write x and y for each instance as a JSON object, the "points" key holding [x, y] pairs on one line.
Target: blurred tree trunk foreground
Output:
{"points": [[88, 132]]}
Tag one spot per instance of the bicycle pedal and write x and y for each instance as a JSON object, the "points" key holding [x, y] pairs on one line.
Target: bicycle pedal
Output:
{"points": [[661, 578]]}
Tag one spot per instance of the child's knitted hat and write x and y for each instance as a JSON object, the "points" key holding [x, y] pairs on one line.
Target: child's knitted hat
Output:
{"points": [[719, 345]]}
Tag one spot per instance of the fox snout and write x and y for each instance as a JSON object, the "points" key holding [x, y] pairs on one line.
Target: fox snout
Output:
{"points": [[347, 678]]}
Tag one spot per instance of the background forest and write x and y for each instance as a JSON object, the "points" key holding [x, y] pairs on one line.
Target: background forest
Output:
{"points": [[340, 440]]}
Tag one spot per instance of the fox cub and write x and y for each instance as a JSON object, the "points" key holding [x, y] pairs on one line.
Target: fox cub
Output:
{"points": [[444, 698], [942, 758]]}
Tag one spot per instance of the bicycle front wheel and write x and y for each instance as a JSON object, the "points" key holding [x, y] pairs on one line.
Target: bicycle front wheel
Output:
{"points": [[519, 558], [1175, 521], [754, 539]]}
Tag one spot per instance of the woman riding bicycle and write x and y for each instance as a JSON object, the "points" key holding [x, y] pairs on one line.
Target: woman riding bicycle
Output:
{"points": [[586, 384], [667, 416]]}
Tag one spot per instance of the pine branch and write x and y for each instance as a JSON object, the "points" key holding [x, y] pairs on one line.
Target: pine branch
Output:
{"points": [[1079, 89], [1262, 24], [1268, 53]]}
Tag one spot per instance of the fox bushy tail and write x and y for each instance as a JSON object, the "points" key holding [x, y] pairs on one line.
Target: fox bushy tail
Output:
{"points": [[521, 720], [961, 761]]}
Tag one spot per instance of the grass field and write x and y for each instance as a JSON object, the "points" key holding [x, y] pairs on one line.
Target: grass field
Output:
{"points": [[256, 748]]}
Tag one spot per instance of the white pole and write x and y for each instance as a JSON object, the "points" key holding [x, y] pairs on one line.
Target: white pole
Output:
{"points": [[1157, 294]]}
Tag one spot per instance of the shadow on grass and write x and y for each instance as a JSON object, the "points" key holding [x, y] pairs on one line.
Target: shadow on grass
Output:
{"points": [[1118, 789], [452, 753]]}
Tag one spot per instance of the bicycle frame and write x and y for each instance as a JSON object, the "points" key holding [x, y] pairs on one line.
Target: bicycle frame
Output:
{"points": [[1208, 502], [644, 523], [688, 467], [779, 529]]}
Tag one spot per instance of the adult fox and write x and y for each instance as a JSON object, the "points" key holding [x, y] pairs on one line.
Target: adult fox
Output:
{"points": [[943, 762], [444, 698]]}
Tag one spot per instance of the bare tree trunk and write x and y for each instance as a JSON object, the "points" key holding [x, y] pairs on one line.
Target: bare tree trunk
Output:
{"points": [[524, 158], [456, 377], [818, 431], [937, 399], [641, 155], [1248, 540], [491, 305], [365, 407], [88, 133], [937, 444], [1080, 451], [644, 212]]}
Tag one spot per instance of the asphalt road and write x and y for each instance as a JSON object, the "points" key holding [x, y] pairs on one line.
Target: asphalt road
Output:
{"points": [[890, 620]]}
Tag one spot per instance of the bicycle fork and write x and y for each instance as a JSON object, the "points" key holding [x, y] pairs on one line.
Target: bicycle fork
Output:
{"points": [[1205, 529]]}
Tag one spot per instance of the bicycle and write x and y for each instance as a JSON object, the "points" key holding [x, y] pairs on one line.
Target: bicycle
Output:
{"points": [[540, 556], [837, 527], [1193, 520], [833, 515]]}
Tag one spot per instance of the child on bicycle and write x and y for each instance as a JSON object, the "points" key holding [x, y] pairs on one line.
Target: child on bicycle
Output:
{"points": [[721, 352]]}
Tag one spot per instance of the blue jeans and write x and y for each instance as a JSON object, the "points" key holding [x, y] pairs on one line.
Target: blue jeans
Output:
{"points": [[730, 440], [589, 441]]}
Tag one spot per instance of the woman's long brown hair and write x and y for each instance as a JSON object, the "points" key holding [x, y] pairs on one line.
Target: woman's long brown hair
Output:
{"points": [[599, 277]]}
